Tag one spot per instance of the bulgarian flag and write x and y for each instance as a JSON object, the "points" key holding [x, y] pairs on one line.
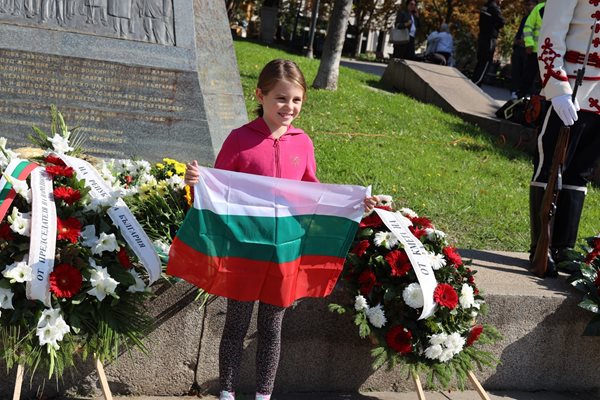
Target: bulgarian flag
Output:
{"points": [[251, 237]]}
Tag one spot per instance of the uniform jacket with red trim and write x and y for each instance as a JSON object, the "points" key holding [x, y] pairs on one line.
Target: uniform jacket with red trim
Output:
{"points": [[562, 44]]}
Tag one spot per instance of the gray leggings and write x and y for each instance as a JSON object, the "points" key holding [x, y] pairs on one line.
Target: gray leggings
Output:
{"points": [[237, 321]]}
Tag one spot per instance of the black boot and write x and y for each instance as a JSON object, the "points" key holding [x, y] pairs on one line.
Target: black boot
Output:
{"points": [[566, 224], [536, 194]]}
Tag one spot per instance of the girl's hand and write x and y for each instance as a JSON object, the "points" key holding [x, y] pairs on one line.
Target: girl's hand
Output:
{"points": [[370, 203], [192, 173]]}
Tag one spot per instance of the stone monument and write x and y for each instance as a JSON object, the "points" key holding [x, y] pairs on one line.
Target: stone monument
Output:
{"points": [[142, 78]]}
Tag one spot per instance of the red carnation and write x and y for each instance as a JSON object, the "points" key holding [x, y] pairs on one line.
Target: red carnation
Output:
{"points": [[65, 281], [67, 194], [361, 247], [59, 170], [52, 159], [471, 279], [367, 280], [124, 259], [596, 243], [474, 334], [68, 229], [371, 221], [452, 256], [445, 296], [399, 339], [423, 222], [417, 232], [6, 232], [386, 208], [399, 262], [591, 256]]}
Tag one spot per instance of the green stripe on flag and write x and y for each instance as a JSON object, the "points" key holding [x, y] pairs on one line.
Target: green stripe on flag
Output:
{"points": [[266, 238], [15, 174]]}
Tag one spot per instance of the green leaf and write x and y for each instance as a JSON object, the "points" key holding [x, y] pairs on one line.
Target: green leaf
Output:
{"points": [[589, 304]]}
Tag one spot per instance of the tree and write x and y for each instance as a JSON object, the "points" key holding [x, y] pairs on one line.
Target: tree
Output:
{"points": [[329, 67], [372, 15]]}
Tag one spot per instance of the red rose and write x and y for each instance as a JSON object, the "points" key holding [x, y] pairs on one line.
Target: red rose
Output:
{"points": [[58, 170], [65, 281], [399, 339], [471, 279], [474, 334], [67, 194], [371, 221], [452, 256], [68, 229], [367, 281], [445, 296], [361, 248], [399, 262], [52, 159], [6, 232], [124, 259]]}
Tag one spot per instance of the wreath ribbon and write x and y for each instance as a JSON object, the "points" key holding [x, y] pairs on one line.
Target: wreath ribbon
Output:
{"points": [[416, 254]]}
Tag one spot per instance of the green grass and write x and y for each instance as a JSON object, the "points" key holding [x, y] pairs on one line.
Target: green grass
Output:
{"points": [[428, 160]]}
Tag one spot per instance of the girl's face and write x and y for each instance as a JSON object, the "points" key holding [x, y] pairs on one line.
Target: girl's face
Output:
{"points": [[281, 105]]}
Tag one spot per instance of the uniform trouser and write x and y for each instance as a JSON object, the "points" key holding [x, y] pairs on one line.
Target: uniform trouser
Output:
{"points": [[582, 159], [268, 348], [485, 54]]}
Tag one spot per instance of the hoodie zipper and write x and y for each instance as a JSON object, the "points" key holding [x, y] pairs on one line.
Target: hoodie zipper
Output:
{"points": [[277, 168]]}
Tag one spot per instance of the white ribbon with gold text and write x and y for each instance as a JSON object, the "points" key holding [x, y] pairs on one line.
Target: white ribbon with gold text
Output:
{"points": [[120, 215], [420, 261], [42, 243]]}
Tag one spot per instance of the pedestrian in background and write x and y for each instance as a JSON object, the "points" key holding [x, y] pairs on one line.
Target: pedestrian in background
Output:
{"points": [[490, 23]]}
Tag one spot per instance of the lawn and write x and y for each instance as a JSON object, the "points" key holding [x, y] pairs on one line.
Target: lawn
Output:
{"points": [[428, 160]]}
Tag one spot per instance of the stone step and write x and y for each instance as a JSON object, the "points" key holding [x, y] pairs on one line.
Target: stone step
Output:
{"points": [[542, 348]]}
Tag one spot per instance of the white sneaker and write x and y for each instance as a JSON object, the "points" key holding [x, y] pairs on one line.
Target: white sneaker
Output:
{"points": [[263, 396], [225, 395]]}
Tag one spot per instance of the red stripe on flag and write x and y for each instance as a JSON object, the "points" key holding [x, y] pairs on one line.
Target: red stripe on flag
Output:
{"points": [[5, 204], [248, 280]]}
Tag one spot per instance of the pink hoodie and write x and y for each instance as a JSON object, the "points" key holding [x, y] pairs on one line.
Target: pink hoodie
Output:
{"points": [[250, 149]]}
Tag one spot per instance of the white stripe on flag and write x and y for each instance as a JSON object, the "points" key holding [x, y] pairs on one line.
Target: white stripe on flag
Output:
{"points": [[236, 193]]}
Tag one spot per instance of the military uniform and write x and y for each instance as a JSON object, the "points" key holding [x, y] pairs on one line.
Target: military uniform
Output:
{"points": [[562, 45]]}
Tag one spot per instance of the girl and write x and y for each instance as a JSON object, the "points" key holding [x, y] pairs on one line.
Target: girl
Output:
{"points": [[270, 146]]}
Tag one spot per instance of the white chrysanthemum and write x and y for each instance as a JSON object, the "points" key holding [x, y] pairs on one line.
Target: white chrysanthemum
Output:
{"points": [[106, 172], [97, 204], [455, 342], [176, 182], [360, 303], [467, 296], [408, 213], [437, 260], [385, 200], [6, 296], [434, 234], [433, 352], [139, 285], [61, 144], [376, 316], [385, 239], [19, 271], [105, 243], [438, 339], [413, 295], [446, 355], [143, 166], [102, 283], [20, 222]]}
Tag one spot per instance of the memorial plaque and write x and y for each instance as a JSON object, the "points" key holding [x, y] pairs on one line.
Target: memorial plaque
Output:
{"points": [[142, 78]]}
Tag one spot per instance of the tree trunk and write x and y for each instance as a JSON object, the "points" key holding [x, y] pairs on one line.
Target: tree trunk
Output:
{"points": [[329, 67], [449, 11], [358, 44]]}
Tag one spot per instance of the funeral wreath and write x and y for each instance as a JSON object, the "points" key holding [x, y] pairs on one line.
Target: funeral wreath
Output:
{"points": [[387, 302], [75, 266]]}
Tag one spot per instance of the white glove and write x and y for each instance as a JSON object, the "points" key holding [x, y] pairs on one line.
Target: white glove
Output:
{"points": [[565, 108]]}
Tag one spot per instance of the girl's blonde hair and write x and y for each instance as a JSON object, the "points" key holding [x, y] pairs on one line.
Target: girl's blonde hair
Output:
{"points": [[276, 71]]}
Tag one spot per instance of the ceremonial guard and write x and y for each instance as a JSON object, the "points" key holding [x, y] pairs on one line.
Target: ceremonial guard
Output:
{"points": [[569, 28]]}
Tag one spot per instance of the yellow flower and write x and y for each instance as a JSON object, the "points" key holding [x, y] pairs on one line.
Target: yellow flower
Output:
{"points": [[188, 195]]}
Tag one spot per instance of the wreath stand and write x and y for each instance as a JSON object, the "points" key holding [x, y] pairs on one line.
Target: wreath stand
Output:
{"points": [[480, 390], [99, 368]]}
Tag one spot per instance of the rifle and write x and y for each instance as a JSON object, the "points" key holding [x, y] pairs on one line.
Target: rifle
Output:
{"points": [[539, 264]]}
